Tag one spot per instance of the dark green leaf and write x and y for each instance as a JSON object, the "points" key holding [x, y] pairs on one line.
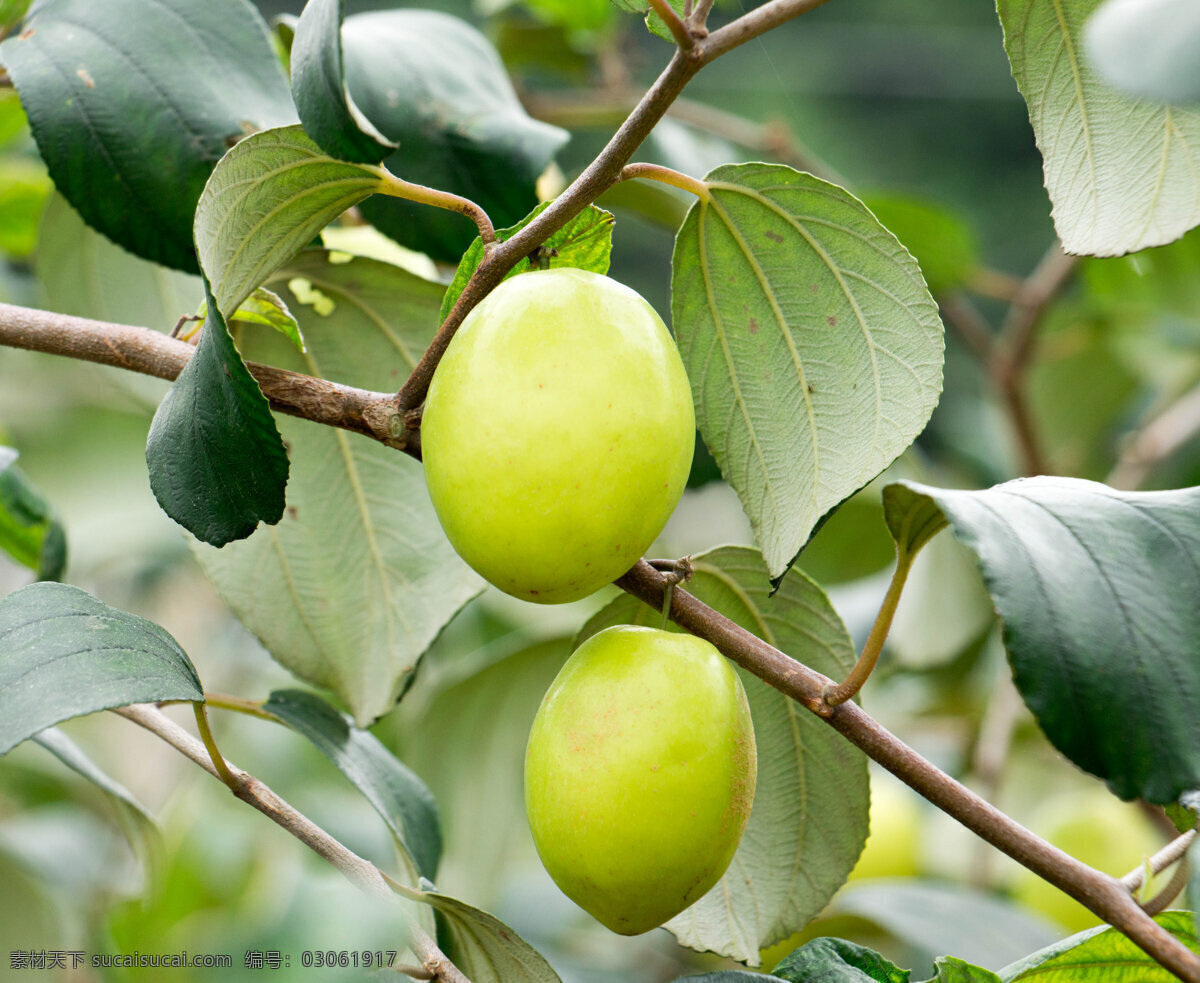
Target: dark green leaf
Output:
{"points": [[1101, 955], [357, 579], [809, 819], [398, 795], [327, 111], [1147, 47], [482, 946], [812, 344], [64, 654], [217, 464], [1096, 589], [833, 960], [265, 202], [132, 102], [1119, 170], [11, 12], [70, 754], [584, 242], [435, 86], [29, 530]]}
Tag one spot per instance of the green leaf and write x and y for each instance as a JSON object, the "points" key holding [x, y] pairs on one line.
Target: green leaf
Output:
{"points": [[1147, 47], [132, 102], [483, 947], [951, 969], [584, 242], [834, 960], [939, 239], [29, 530], [357, 579], [398, 795], [24, 188], [809, 819], [1119, 170], [655, 23], [70, 754], [11, 12], [812, 344], [85, 274], [266, 200], [435, 86], [933, 917], [217, 463], [1101, 955], [327, 111], [64, 654], [1096, 590], [261, 308]]}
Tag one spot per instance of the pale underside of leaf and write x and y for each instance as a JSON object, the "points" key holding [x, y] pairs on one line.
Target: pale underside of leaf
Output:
{"points": [[812, 344], [1122, 173]]}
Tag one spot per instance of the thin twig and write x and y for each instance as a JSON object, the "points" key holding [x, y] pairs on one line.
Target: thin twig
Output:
{"points": [[960, 312], [360, 872], [699, 18], [1013, 352], [679, 30], [1156, 441], [1171, 853], [1104, 895]]}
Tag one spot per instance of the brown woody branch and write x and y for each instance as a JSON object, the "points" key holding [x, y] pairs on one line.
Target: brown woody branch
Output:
{"points": [[1106, 896], [153, 353], [361, 873]]}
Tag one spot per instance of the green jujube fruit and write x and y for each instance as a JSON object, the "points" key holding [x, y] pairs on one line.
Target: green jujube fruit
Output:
{"points": [[639, 774], [557, 434]]}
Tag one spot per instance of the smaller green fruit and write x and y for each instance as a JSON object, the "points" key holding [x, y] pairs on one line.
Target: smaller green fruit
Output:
{"points": [[639, 775]]}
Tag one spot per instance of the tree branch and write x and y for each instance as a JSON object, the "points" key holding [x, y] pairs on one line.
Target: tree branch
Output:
{"points": [[758, 21], [1014, 349], [1172, 852], [361, 873], [679, 30], [153, 353], [1157, 440], [1105, 896]]}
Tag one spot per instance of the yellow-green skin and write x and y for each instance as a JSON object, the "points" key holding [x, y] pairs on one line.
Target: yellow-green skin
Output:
{"points": [[639, 775], [557, 434]]}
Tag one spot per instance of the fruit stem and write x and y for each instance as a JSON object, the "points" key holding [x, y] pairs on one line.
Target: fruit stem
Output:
{"points": [[834, 695]]}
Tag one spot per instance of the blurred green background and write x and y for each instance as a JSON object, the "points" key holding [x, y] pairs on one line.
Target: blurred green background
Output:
{"points": [[911, 103]]}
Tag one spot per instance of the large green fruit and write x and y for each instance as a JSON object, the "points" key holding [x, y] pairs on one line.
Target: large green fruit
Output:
{"points": [[639, 774], [557, 434]]}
